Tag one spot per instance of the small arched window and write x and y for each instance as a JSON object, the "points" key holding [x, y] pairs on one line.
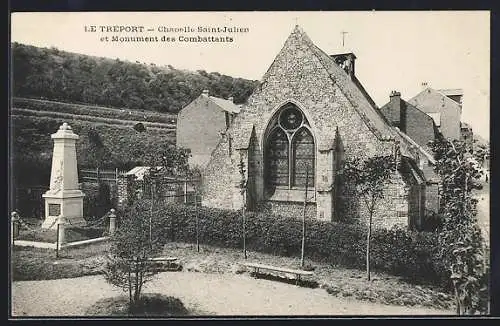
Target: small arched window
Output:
{"points": [[290, 150]]}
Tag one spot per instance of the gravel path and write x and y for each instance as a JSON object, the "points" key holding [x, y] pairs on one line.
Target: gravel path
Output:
{"points": [[215, 294]]}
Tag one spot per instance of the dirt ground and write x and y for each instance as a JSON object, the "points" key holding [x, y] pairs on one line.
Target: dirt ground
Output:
{"points": [[214, 294]]}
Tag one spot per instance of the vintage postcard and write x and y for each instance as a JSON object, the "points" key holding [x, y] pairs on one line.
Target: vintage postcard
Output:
{"points": [[207, 164]]}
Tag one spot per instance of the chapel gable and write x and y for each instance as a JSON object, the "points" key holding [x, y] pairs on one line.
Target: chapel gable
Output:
{"points": [[304, 119]]}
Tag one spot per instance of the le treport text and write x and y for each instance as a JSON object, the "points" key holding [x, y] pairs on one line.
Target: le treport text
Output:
{"points": [[166, 38]]}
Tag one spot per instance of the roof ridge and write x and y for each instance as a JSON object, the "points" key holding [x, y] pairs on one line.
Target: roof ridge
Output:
{"points": [[296, 29], [448, 99], [214, 99], [363, 116], [420, 148]]}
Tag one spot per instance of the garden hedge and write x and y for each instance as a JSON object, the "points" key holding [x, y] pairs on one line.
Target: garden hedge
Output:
{"points": [[409, 254]]}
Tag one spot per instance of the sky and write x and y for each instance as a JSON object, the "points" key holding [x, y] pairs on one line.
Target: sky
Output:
{"points": [[397, 50]]}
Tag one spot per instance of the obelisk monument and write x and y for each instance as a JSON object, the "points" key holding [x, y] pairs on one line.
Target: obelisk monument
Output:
{"points": [[64, 198]]}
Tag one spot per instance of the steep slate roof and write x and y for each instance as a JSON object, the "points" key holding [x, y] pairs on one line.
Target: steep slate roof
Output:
{"points": [[412, 143], [140, 171], [225, 105], [351, 89], [363, 90], [374, 120], [451, 91]]}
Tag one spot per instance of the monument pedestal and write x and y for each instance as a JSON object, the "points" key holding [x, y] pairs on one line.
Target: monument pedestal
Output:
{"points": [[64, 198], [67, 203]]}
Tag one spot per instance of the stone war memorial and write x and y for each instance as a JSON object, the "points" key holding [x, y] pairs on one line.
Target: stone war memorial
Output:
{"points": [[64, 199]]}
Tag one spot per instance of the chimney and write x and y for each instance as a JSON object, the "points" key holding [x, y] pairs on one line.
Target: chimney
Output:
{"points": [[424, 85], [395, 95], [397, 114], [205, 92], [230, 98]]}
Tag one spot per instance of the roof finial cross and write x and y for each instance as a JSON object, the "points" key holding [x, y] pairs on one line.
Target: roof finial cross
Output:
{"points": [[343, 37], [296, 21]]}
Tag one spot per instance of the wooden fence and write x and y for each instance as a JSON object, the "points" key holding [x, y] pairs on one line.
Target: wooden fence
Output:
{"points": [[177, 189], [100, 175], [29, 202]]}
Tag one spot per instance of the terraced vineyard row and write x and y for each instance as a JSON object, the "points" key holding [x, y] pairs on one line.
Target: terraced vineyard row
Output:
{"points": [[94, 119], [96, 111], [47, 118]]}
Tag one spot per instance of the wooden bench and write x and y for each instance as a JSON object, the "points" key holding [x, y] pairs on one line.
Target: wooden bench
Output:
{"points": [[170, 262], [163, 259], [297, 272]]}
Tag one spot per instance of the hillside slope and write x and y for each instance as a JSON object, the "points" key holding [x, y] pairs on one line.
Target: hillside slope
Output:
{"points": [[104, 142], [77, 78]]}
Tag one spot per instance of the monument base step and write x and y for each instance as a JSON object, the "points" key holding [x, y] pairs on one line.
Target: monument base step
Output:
{"points": [[50, 222]]}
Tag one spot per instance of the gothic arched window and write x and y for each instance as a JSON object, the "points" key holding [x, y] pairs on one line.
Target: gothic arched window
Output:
{"points": [[289, 150]]}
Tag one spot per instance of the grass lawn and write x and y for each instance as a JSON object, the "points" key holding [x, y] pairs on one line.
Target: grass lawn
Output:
{"points": [[338, 281], [72, 234], [30, 263], [38, 235], [41, 264]]}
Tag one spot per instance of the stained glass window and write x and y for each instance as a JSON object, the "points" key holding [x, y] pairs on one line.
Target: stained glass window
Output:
{"points": [[290, 151], [303, 149], [277, 156], [290, 118]]}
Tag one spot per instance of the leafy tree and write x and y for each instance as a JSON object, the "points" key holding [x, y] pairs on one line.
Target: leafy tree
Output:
{"points": [[169, 161], [460, 240], [163, 165], [76, 78], [194, 176], [243, 189], [369, 178], [132, 247]]}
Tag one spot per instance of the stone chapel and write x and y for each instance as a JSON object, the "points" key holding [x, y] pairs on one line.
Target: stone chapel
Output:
{"points": [[307, 115]]}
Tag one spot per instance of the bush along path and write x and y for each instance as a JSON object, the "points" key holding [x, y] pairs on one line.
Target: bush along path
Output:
{"points": [[40, 264]]}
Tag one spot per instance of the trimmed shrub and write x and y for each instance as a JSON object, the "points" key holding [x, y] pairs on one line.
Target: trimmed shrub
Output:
{"points": [[410, 254], [151, 304], [397, 251], [97, 200]]}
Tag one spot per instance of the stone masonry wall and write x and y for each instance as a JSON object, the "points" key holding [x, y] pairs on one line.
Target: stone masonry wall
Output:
{"points": [[122, 194], [289, 209], [390, 211], [297, 75], [221, 177]]}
